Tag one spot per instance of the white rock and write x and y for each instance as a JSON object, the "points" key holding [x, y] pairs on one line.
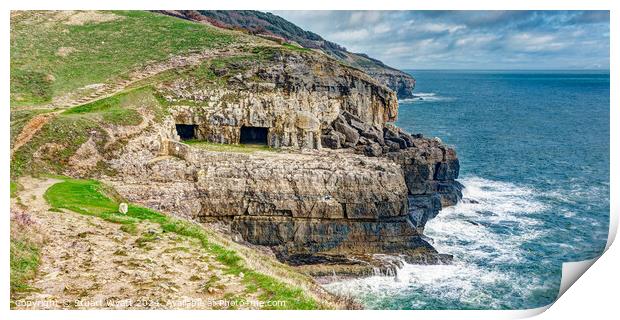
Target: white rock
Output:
{"points": [[122, 208]]}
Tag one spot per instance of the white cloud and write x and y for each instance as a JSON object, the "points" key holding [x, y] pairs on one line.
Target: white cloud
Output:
{"points": [[476, 40], [349, 35], [381, 28], [534, 42], [439, 27], [364, 17], [464, 39]]}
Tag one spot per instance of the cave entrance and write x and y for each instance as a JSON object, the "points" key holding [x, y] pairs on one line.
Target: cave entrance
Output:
{"points": [[253, 135], [186, 131]]}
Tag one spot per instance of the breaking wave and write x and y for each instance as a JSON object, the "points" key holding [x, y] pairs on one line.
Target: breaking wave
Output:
{"points": [[485, 233], [425, 97]]}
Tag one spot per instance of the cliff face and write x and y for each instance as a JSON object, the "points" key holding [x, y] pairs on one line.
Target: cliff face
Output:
{"points": [[333, 203], [273, 27], [342, 185], [371, 194], [292, 93], [402, 83]]}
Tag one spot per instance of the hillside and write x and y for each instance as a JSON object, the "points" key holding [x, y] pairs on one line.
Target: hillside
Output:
{"points": [[83, 85], [270, 25], [154, 156]]}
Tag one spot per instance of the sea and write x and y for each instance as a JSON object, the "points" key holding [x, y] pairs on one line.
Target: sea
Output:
{"points": [[534, 154]]}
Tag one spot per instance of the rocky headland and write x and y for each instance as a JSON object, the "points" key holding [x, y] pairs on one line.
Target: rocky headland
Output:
{"points": [[279, 150], [271, 26], [339, 186]]}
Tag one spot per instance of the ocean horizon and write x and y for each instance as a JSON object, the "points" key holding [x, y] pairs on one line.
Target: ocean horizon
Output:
{"points": [[534, 153]]}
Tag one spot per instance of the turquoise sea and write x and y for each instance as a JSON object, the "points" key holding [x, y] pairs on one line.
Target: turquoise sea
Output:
{"points": [[534, 153]]}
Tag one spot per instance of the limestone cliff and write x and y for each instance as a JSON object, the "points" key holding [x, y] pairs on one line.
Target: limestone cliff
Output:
{"points": [[338, 186], [342, 183], [276, 28], [333, 203], [293, 93]]}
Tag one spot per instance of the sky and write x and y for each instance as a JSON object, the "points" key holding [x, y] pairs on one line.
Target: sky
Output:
{"points": [[467, 39]]}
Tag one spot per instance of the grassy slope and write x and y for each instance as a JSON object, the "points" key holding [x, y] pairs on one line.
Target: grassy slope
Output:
{"points": [[92, 198], [19, 118], [104, 52], [222, 147], [99, 51], [75, 126], [24, 261]]}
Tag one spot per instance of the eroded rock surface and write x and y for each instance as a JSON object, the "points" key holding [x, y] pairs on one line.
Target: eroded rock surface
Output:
{"points": [[294, 95], [343, 182], [333, 202]]}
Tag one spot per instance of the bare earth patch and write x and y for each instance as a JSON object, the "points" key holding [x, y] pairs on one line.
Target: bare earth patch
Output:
{"points": [[84, 17], [30, 129], [65, 51], [89, 263]]}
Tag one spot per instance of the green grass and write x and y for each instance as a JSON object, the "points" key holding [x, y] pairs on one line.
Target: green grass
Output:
{"points": [[93, 198], [62, 136], [15, 187], [100, 50], [25, 260], [118, 109], [295, 48], [222, 147], [31, 86], [70, 129]]}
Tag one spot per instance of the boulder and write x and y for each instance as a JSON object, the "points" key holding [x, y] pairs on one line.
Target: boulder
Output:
{"points": [[364, 141], [402, 144], [331, 140], [307, 121], [374, 135], [373, 150], [392, 146], [390, 131], [407, 137], [352, 136], [122, 208]]}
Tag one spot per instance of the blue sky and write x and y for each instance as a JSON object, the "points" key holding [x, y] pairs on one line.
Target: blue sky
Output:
{"points": [[467, 39]]}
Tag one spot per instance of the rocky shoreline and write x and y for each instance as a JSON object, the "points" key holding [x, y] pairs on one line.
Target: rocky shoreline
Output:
{"points": [[338, 187], [323, 211]]}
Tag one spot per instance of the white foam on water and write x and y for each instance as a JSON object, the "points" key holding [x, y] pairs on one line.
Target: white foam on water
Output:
{"points": [[425, 97], [482, 232], [491, 222]]}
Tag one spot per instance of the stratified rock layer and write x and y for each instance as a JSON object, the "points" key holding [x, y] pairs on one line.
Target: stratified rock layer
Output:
{"points": [[329, 202], [371, 191], [292, 94]]}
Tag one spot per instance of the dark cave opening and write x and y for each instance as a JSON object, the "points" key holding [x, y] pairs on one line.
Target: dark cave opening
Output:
{"points": [[254, 135], [186, 131]]}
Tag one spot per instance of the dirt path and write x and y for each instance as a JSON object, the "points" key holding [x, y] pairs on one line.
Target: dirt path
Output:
{"points": [[89, 263], [31, 128], [105, 90]]}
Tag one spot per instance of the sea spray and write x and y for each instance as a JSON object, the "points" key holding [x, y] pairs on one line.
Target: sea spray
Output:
{"points": [[483, 232]]}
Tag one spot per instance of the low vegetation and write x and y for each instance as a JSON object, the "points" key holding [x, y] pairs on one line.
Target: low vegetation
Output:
{"points": [[119, 109], [222, 147], [19, 118], [92, 198], [52, 53], [14, 188], [51, 148], [25, 241]]}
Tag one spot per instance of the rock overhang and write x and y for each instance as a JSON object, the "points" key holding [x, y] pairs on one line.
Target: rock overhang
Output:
{"points": [[295, 95]]}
